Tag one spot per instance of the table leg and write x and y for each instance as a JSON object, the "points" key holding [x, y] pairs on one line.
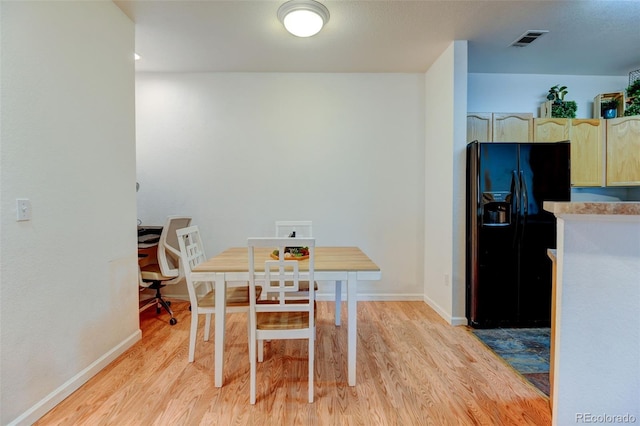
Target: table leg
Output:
{"points": [[220, 321], [338, 300], [352, 315]]}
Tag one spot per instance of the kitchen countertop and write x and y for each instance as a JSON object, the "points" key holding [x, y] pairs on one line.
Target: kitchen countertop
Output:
{"points": [[595, 295], [627, 208], [553, 254]]}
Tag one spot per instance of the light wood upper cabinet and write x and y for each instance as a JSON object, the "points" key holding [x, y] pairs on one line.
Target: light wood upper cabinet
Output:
{"points": [[479, 127], [512, 127], [550, 129], [587, 139], [623, 151], [586, 136], [499, 127], [596, 145]]}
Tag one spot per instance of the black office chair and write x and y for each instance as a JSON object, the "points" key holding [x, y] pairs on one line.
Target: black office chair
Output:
{"points": [[167, 271]]}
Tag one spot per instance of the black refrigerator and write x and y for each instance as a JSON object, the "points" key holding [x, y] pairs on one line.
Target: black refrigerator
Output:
{"points": [[508, 272]]}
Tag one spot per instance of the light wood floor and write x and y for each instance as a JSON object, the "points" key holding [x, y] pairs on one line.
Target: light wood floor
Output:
{"points": [[413, 369]]}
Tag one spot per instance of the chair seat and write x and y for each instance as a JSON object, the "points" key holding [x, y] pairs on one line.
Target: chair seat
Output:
{"points": [[303, 285], [236, 296], [282, 320], [152, 273]]}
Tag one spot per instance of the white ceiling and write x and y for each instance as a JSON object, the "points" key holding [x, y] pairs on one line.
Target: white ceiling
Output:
{"points": [[586, 37]]}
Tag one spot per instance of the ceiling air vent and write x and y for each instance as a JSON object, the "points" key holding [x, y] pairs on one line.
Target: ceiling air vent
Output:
{"points": [[528, 38]]}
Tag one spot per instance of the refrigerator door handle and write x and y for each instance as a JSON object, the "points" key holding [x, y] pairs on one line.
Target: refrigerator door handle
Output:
{"points": [[515, 197], [515, 190], [525, 203], [525, 195]]}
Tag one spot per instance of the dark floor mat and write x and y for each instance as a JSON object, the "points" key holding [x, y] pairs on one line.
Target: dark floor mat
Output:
{"points": [[525, 349]]}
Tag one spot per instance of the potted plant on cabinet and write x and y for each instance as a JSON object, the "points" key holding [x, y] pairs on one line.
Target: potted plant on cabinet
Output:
{"points": [[609, 108], [557, 93], [633, 96], [559, 107]]}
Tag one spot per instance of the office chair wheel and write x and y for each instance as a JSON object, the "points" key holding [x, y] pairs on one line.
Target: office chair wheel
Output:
{"points": [[168, 302], [173, 321], [158, 310]]}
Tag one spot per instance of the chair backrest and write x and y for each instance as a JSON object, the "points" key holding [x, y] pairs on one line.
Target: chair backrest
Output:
{"points": [[168, 249], [192, 254], [280, 275], [302, 228]]}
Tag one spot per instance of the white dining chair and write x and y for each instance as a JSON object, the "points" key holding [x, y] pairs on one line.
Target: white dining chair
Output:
{"points": [[296, 229], [201, 293], [304, 228], [280, 318]]}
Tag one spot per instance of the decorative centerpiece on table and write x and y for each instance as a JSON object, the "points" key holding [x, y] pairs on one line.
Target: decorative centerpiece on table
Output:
{"points": [[559, 107], [292, 253]]}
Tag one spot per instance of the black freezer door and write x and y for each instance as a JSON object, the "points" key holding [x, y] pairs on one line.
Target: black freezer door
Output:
{"points": [[492, 293]]}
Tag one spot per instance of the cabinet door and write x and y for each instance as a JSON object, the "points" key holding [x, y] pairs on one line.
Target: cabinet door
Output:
{"points": [[586, 152], [509, 127], [623, 151], [479, 127], [550, 129]]}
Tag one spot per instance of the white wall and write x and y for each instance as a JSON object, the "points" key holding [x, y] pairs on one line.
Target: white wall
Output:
{"points": [[525, 92], [69, 280], [208, 144], [460, 87], [445, 124]]}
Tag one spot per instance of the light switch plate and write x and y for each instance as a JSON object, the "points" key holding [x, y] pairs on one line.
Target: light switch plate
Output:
{"points": [[23, 207]]}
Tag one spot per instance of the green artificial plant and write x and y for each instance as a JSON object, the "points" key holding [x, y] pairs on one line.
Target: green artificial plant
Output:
{"points": [[561, 108], [564, 109], [609, 104], [633, 91], [633, 94], [557, 93]]}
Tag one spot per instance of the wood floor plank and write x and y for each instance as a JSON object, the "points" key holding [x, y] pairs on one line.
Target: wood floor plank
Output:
{"points": [[413, 369]]}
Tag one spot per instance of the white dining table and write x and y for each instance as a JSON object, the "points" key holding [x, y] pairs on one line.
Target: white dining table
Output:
{"points": [[337, 264]]}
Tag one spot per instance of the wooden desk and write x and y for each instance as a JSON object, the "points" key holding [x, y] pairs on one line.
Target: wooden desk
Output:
{"points": [[148, 237], [337, 264]]}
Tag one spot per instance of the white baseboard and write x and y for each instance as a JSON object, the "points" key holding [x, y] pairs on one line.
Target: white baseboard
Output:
{"points": [[67, 388], [459, 321], [329, 297], [372, 297], [375, 297], [444, 314]]}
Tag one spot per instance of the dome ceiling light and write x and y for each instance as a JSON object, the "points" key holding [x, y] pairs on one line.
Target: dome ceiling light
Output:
{"points": [[303, 18]]}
